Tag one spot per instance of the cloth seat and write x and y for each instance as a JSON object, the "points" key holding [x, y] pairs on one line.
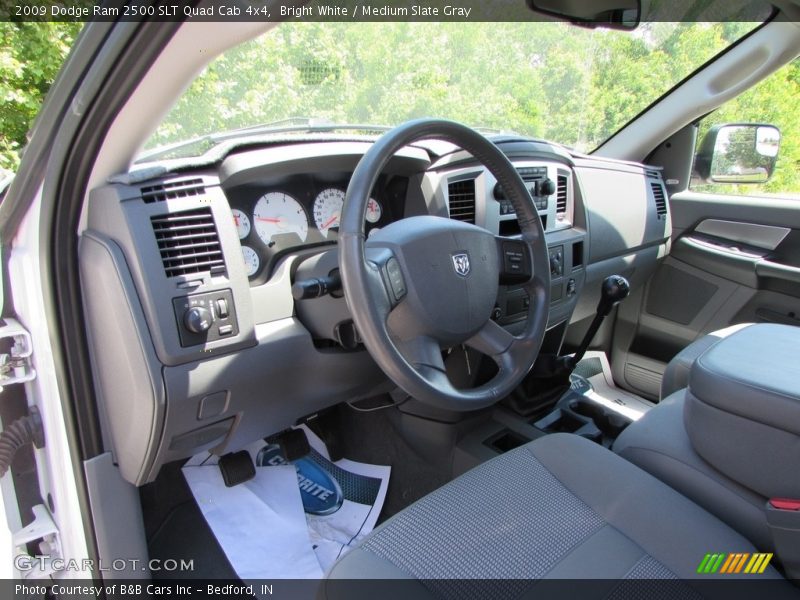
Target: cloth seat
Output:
{"points": [[731, 439], [660, 444], [560, 507]]}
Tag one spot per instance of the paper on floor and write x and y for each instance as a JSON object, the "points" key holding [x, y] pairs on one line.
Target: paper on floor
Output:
{"points": [[364, 488], [259, 524], [341, 500]]}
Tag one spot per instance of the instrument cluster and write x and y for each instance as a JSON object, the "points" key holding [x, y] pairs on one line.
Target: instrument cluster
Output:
{"points": [[275, 217]]}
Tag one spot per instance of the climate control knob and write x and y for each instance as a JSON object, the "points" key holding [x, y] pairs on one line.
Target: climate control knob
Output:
{"points": [[197, 319], [547, 187]]}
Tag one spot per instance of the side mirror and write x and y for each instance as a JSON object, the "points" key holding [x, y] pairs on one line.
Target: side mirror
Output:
{"points": [[611, 14], [738, 153]]}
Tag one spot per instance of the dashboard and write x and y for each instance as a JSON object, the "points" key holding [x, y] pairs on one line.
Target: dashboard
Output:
{"points": [[194, 268]]}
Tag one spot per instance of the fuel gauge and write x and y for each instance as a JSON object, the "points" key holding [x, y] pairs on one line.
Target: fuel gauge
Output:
{"points": [[251, 261], [242, 222]]}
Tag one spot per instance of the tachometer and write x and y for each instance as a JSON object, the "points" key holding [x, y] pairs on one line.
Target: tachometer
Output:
{"points": [[242, 223], [328, 209], [251, 261], [374, 211], [277, 214]]}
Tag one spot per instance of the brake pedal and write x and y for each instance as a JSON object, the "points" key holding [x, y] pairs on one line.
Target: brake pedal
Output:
{"points": [[324, 429], [293, 442]]}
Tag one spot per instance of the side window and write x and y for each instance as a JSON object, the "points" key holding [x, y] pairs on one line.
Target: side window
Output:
{"points": [[772, 102]]}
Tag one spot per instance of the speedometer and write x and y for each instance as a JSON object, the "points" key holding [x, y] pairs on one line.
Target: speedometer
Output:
{"points": [[279, 214], [328, 209]]}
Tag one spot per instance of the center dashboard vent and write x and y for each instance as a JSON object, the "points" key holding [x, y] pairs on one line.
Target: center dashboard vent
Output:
{"points": [[188, 242], [461, 200], [561, 194], [169, 190], [660, 198]]}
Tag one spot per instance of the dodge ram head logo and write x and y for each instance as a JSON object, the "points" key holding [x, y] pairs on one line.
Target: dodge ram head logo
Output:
{"points": [[461, 264]]}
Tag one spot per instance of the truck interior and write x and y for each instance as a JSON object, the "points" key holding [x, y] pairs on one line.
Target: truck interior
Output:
{"points": [[576, 364]]}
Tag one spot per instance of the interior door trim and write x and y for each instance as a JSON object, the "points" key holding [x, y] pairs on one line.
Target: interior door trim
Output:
{"points": [[767, 237]]}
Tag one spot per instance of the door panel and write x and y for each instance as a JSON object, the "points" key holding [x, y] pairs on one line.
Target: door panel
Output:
{"points": [[733, 260]]}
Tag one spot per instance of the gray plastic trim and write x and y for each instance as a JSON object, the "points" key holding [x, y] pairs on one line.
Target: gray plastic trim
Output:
{"points": [[690, 208], [768, 268], [621, 211], [118, 212], [273, 300], [762, 236], [307, 158], [270, 386], [734, 266], [127, 374], [117, 517]]}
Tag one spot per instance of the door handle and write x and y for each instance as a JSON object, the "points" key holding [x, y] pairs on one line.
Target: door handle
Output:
{"points": [[768, 268]]}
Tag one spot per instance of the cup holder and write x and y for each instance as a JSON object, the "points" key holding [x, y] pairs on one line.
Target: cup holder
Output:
{"points": [[610, 423], [564, 420], [575, 414]]}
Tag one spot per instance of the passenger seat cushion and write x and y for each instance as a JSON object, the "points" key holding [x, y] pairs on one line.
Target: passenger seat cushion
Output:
{"points": [[635, 503], [676, 375], [742, 409], [659, 444], [560, 507]]}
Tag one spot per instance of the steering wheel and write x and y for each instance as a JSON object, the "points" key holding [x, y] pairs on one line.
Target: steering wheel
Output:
{"points": [[426, 283]]}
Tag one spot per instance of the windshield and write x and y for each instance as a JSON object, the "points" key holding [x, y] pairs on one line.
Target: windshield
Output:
{"points": [[566, 84]]}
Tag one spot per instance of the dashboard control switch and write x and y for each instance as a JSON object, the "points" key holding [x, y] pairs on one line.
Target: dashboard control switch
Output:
{"points": [[396, 280], [205, 318], [221, 306], [515, 266], [318, 287], [557, 261], [571, 288], [197, 319]]}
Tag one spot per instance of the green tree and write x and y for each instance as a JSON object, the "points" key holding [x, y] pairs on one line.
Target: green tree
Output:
{"points": [[30, 57]]}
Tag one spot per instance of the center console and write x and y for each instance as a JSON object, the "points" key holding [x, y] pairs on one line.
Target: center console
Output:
{"points": [[559, 403]]}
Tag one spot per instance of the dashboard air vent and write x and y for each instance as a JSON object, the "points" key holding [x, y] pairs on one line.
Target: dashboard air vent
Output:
{"points": [[561, 194], [188, 242], [461, 200], [660, 198], [182, 188]]}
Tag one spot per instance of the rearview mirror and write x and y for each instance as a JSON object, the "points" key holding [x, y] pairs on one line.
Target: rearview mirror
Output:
{"points": [[611, 14], [738, 153]]}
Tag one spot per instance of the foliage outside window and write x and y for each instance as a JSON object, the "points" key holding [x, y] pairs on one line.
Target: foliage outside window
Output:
{"points": [[548, 80], [30, 56]]}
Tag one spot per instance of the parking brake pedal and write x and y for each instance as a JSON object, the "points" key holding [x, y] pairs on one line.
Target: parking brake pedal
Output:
{"points": [[236, 468]]}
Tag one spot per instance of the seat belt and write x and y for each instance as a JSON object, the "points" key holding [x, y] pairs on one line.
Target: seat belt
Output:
{"points": [[783, 518]]}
